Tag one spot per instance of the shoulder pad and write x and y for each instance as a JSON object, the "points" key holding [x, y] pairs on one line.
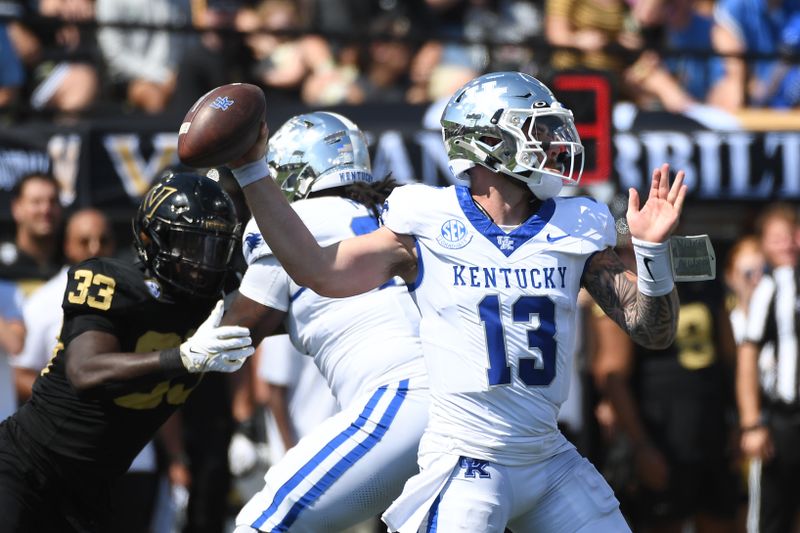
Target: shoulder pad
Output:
{"points": [[588, 220], [408, 205]]}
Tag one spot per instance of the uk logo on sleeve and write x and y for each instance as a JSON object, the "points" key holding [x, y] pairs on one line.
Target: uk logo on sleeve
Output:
{"points": [[253, 242]]}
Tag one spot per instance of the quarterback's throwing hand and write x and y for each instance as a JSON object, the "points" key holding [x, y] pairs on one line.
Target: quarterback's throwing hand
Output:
{"points": [[216, 348], [657, 219]]}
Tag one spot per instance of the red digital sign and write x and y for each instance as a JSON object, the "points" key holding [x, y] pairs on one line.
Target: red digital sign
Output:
{"points": [[589, 98]]}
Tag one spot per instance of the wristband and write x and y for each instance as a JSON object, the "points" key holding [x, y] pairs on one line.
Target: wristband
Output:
{"points": [[251, 172], [653, 268], [170, 360], [747, 429]]}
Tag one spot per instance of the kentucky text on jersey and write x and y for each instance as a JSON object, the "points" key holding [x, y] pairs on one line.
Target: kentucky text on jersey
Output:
{"points": [[489, 277]]}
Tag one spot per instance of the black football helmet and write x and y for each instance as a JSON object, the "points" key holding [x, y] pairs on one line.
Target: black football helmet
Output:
{"points": [[185, 231]]}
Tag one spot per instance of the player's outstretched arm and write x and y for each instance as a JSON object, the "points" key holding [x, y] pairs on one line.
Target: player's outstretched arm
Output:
{"points": [[349, 267], [646, 307], [94, 358]]}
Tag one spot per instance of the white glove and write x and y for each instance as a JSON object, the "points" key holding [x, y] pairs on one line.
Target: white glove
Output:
{"points": [[216, 348], [180, 499], [242, 454]]}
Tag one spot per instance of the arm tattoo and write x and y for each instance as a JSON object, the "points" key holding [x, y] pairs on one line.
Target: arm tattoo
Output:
{"points": [[650, 321]]}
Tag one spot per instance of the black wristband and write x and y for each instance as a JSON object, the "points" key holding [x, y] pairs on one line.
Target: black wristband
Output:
{"points": [[170, 360], [747, 429]]}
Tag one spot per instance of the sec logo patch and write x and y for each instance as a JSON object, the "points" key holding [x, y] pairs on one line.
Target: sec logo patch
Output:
{"points": [[453, 234], [154, 287]]}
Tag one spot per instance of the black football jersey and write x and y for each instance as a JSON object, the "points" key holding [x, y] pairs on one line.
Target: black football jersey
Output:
{"points": [[697, 339], [683, 392], [101, 432]]}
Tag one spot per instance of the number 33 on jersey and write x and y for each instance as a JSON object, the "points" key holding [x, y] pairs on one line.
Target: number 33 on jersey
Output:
{"points": [[101, 286]]}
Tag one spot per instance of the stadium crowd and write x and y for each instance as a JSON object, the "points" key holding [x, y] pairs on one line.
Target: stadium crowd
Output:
{"points": [[80, 56], [688, 434]]}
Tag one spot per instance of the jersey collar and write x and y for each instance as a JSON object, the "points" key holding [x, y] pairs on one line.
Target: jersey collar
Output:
{"points": [[505, 242]]}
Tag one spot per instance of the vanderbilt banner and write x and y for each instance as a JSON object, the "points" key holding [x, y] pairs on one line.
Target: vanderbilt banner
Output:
{"points": [[111, 163]]}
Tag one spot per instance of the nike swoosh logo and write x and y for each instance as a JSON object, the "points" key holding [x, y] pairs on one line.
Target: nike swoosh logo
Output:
{"points": [[647, 262], [554, 239]]}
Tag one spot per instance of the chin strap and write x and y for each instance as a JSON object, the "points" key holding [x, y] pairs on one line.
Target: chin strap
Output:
{"points": [[548, 187]]}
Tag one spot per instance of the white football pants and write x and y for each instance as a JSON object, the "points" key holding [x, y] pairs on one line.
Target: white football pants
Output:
{"points": [[564, 494], [349, 469]]}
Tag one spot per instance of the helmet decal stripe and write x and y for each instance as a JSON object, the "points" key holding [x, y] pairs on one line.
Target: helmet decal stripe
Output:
{"points": [[155, 198]]}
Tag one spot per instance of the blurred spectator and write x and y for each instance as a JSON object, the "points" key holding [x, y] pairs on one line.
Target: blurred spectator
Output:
{"points": [[383, 72], [688, 27], [12, 334], [743, 271], [346, 17], [299, 397], [20, 49], [589, 27], [143, 62], [675, 444], [606, 38], [88, 234], [777, 227], [443, 63], [12, 75], [768, 393], [788, 93], [63, 77], [213, 58], [441, 69], [744, 268], [283, 63], [507, 21], [35, 255], [750, 26]]}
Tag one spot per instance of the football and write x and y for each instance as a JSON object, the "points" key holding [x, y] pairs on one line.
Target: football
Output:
{"points": [[222, 125]]}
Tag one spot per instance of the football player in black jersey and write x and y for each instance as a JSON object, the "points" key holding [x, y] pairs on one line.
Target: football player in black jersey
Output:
{"points": [[133, 346]]}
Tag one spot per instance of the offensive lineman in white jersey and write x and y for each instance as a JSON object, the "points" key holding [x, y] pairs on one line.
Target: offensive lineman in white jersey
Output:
{"points": [[367, 347], [496, 268]]}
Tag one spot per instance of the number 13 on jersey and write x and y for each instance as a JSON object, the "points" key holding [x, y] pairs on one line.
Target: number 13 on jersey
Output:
{"points": [[535, 317]]}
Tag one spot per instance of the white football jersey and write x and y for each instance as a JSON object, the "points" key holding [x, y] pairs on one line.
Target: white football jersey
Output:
{"points": [[359, 343], [498, 316], [309, 399]]}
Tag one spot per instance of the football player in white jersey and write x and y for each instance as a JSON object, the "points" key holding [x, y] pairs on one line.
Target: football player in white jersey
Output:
{"points": [[367, 347], [495, 268]]}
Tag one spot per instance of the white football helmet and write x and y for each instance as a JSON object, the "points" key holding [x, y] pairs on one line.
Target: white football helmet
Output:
{"points": [[317, 151], [510, 122]]}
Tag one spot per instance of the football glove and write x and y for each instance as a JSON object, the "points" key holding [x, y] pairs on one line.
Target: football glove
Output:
{"points": [[245, 454], [216, 348]]}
